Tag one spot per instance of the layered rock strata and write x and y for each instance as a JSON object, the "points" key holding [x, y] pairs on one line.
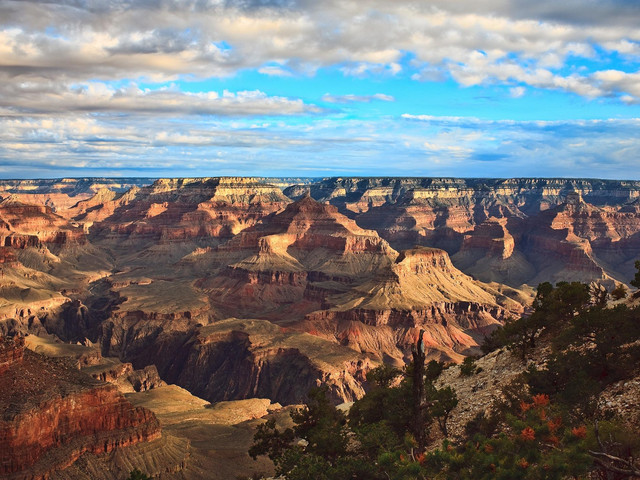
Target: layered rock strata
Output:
{"points": [[313, 269], [280, 265], [52, 414], [501, 230], [154, 269], [421, 290], [173, 210]]}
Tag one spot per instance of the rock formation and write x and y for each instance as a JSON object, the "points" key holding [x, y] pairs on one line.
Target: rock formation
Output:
{"points": [[27, 225], [315, 270], [173, 210], [308, 269], [52, 414], [43, 256], [286, 260], [62, 193], [420, 290], [471, 218], [230, 289], [244, 358], [147, 271]]}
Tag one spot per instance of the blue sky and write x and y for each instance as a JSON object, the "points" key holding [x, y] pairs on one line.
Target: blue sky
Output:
{"points": [[494, 88]]}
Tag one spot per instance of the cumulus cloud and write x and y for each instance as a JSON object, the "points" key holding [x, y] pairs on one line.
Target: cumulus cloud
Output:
{"points": [[87, 84], [100, 97], [513, 42]]}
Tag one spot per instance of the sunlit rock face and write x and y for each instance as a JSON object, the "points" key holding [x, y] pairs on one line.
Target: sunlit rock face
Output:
{"points": [[52, 414], [62, 193], [27, 225], [512, 231], [306, 268], [229, 286], [177, 210], [319, 272]]}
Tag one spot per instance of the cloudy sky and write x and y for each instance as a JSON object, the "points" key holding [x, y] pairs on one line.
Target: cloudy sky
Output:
{"points": [[489, 88]]}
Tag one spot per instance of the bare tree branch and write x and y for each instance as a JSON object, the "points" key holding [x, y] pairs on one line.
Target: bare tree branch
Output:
{"points": [[630, 469]]}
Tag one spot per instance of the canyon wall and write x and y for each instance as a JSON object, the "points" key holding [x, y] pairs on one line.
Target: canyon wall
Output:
{"points": [[237, 288], [512, 231], [52, 414], [147, 269]]}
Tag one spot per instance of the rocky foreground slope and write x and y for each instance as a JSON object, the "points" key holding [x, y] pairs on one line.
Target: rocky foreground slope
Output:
{"points": [[52, 414]]}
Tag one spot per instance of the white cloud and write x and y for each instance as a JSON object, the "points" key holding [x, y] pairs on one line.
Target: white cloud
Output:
{"points": [[517, 92], [418, 144], [100, 97], [512, 42], [357, 98], [274, 71], [70, 76]]}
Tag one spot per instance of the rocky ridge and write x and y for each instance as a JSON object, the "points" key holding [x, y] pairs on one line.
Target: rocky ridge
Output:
{"points": [[501, 230], [52, 414], [181, 255]]}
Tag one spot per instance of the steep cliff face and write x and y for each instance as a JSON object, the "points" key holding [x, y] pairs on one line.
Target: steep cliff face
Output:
{"points": [[70, 186], [99, 206], [271, 267], [246, 358], [175, 210], [579, 241], [52, 414], [502, 230], [493, 252], [42, 255], [420, 290], [316, 270], [27, 225]]}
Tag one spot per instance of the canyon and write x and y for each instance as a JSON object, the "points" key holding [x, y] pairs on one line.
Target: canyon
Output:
{"points": [[53, 414], [249, 289]]}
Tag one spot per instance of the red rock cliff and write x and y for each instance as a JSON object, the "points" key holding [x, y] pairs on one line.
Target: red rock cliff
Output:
{"points": [[52, 414]]}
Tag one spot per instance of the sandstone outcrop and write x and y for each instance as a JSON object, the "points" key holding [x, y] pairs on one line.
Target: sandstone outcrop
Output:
{"points": [[43, 257], [286, 260], [174, 210], [125, 377], [27, 225], [420, 290], [52, 414], [501, 230], [313, 269]]}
